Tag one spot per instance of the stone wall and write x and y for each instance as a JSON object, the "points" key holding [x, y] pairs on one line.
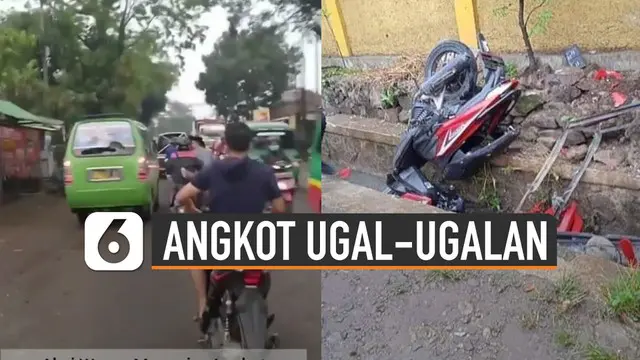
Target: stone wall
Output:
{"points": [[609, 199], [550, 99]]}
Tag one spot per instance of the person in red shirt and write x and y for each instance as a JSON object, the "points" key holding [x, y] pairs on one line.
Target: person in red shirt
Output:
{"points": [[219, 148]]}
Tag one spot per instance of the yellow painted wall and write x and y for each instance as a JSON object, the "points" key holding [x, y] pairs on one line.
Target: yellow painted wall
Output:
{"points": [[384, 27], [393, 27], [329, 46], [593, 25]]}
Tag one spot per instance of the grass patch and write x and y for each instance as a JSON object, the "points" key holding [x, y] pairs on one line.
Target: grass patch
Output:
{"points": [[488, 195], [565, 339], [596, 352], [568, 292], [334, 71], [530, 320], [623, 295], [511, 70]]}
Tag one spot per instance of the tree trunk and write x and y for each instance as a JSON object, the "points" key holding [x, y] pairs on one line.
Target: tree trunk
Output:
{"points": [[533, 64]]}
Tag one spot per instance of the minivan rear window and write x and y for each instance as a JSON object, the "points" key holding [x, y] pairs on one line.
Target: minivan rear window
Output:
{"points": [[104, 138]]}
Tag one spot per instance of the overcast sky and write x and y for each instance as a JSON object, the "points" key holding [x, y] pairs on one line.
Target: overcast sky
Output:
{"points": [[185, 91]]}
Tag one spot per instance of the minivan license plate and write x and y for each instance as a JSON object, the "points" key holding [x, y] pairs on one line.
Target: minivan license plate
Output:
{"points": [[104, 175]]}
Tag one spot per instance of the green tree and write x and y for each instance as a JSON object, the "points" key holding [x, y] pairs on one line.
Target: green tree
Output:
{"points": [[528, 11], [302, 13], [20, 77], [111, 55], [286, 14], [248, 68], [177, 117]]}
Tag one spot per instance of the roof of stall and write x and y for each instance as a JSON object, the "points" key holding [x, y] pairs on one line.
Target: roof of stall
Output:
{"points": [[27, 119]]}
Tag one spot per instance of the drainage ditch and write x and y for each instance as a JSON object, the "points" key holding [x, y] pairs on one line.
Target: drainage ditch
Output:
{"points": [[606, 209]]}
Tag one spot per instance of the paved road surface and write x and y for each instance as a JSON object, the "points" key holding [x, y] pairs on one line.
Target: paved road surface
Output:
{"points": [[50, 299]]}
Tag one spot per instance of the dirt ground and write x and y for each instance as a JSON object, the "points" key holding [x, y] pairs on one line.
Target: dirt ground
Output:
{"points": [[49, 298], [495, 315]]}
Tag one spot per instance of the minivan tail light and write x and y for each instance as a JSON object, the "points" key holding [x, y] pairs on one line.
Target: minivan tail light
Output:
{"points": [[143, 169], [68, 176]]}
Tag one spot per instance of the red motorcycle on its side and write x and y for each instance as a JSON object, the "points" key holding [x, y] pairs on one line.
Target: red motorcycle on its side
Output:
{"points": [[454, 124]]}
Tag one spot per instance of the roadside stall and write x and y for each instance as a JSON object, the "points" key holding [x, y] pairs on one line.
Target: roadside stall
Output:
{"points": [[23, 159]]}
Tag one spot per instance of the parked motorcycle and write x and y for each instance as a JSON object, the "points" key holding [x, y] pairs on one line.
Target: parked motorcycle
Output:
{"points": [[244, 318], [454, 124]]}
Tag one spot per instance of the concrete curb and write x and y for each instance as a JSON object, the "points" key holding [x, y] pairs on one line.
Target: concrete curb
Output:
{"points": [[339, 196], [615, 60], [348, 126]]}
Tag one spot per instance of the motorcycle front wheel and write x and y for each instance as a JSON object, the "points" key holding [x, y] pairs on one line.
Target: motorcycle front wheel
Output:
{"points": [[439, 56]]}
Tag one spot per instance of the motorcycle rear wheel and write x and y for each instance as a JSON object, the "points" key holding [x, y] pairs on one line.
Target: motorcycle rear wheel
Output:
{"points": [[466, 83]]}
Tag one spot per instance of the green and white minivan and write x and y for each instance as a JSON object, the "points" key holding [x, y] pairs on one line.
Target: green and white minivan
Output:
{"points": [[110, 165]]}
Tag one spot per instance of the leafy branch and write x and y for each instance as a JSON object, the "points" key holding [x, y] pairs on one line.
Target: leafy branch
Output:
{"points": [[541, 16], [325, 15]]}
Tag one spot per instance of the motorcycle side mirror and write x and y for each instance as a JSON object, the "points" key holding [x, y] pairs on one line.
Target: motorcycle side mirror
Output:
{"points": [[483, 44]]}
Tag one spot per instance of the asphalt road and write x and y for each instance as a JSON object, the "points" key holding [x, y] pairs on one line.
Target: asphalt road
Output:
{"points": [[50, 299]]}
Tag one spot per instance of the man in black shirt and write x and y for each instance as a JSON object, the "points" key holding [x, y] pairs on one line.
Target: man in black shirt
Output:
{"points": [[235, 184]]}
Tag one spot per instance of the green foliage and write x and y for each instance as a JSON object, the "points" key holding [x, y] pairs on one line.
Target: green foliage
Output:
{"points": [[247, 68], [623, 295], [304, 13], [389, 97], [511, 70], [301, 15], [105, 56], [536, 13], [541, 23], [501, 11]]}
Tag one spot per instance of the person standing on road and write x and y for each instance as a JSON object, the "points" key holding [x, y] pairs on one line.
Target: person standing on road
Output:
{"points": [[202, 153], [237, 185]]}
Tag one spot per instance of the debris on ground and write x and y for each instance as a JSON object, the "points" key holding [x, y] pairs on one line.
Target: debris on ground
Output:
{"points": [[344, 173]]}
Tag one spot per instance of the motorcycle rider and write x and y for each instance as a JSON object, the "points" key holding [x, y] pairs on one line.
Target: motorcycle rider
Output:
{"points": [[177, 175], [202, 153], [236, 184]]}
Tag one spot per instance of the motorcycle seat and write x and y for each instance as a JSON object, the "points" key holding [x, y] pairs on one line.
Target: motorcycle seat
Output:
{"points": [[476, 99], [493, 79]]}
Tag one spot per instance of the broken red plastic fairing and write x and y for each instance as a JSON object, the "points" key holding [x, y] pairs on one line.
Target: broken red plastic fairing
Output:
{"points": [[602, 74], [344, 173], [618, 98], [628, 251], [570, 219], [415, 197]]}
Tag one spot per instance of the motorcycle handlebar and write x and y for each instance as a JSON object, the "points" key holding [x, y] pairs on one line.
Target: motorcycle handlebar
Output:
{"points": [[453, 68]]}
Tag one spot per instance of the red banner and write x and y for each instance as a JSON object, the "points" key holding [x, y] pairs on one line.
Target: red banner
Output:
{"points": [[20, 152]]}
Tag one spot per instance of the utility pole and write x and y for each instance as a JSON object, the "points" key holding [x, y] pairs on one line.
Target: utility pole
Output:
{"points": [[45, 53], [301, 123]]}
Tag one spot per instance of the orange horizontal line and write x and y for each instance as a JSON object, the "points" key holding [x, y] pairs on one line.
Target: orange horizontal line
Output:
{"points": [[339, 267]]}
